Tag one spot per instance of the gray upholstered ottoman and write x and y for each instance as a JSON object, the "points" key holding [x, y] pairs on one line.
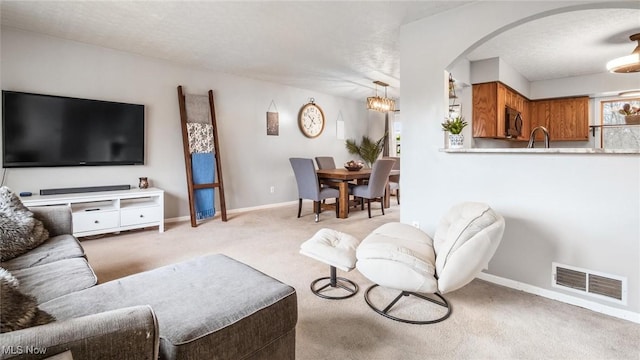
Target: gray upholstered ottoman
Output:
{"points": [[210, 307]]}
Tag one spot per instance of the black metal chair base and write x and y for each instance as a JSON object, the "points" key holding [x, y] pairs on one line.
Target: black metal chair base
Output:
{"points": [[385, 312], [335, 282]]}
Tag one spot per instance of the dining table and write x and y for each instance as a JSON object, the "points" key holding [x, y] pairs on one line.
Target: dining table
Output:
{"points": [[342, 177]]}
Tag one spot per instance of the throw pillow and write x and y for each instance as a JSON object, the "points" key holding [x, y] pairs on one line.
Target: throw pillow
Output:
{"points": [[19, 230], [19, 311]]}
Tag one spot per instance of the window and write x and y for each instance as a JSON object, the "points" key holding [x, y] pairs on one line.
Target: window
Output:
{"points": [[619, 131]]}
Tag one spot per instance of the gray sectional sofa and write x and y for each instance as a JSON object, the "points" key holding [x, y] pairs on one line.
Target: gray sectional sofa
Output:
{"points": [[209, 307]]}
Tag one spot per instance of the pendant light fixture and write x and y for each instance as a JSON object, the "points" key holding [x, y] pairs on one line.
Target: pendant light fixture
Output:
{"points": [[629, 63], [382, 104], [632, 93]]}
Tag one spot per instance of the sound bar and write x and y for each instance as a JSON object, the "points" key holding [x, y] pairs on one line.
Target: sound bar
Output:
{"points": [[84, 189]]}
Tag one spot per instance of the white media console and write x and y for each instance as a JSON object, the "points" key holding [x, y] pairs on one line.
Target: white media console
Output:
{"points": [[108, 211]]}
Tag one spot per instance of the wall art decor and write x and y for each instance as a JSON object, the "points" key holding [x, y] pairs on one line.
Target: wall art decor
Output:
{"points": [[273, 122]]}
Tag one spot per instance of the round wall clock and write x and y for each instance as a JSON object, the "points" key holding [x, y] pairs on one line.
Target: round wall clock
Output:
{"points": [[311, 120]]}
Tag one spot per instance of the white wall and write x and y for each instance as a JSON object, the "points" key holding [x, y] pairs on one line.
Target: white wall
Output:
{"points": [[591, 85], [460, 71], [376, 122], [579, 210], [486, 70], [496, 69], [251, 161], [514, 79]]}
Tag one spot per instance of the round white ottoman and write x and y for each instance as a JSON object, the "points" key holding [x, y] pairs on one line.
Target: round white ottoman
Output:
{"points": [[338, 250]]}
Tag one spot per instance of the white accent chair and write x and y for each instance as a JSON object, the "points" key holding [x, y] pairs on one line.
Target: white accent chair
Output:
{"points": [[401, 257]]}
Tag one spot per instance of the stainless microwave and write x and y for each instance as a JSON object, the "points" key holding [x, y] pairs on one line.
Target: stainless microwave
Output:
{"points": [[512, 123]]}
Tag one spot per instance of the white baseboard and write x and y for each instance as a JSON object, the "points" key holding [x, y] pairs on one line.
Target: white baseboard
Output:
{"points": [[234, 211], [177, 219], [591, 305], [262, 207]]}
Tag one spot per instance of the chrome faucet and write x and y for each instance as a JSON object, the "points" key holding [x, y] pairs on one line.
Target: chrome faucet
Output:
{"points": [[532, 137]]}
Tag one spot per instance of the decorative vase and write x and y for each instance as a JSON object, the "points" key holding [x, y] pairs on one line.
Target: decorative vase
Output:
{"points": [[144, 183], [456, 141]]}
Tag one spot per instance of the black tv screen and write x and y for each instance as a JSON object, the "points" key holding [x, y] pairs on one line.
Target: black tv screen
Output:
{"points": [[44, 130]]}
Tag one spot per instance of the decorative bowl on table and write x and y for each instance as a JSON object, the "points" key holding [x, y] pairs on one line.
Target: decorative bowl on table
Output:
{"points": [[353, 165]]}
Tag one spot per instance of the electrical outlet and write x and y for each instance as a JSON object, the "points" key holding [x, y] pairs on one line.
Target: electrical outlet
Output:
{"points": [[415, 224], [272, 189]]}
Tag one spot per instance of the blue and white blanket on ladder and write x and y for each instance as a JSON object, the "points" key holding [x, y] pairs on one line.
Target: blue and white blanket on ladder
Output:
{"points": [[203, 165]]}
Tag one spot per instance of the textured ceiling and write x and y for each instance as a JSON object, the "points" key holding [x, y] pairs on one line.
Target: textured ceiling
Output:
{"points": [[563, 45], [334, 47], [337, 48]]}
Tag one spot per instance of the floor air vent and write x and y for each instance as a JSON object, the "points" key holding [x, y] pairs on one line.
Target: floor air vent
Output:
{"points": [[610, 287], [605, 286], [571, 278]]}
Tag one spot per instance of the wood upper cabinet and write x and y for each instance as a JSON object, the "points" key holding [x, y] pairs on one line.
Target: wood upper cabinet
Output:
{"points": [[489, 103], [485, 105], [523, 105], [539, 111], [569, 119], [565, 118]]}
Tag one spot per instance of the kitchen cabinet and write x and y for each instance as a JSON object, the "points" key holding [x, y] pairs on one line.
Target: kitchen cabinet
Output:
{"points": [[485, 116], [565, 118], [489, 103], [522, 104], [539, 110]]}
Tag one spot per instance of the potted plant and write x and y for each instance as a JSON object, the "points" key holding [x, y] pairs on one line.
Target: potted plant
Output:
{"points": [[631, 114], [368, 150], [454, 127]]}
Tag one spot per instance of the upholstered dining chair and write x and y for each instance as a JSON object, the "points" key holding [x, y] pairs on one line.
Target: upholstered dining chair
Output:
{"points": [[325, 162], [309, 186], [400, 257], [377, 184], [394, 180]]}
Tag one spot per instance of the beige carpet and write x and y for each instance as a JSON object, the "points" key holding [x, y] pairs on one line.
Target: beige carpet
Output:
{"points": [[488, 321]]}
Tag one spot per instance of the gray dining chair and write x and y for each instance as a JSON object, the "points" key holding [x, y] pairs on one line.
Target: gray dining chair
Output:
{"points": [[377, 184], [325, 162], [394, 180], [309, 186]]}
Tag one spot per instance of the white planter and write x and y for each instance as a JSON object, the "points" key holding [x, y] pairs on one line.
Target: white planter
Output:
{"points": [[456, 141]]}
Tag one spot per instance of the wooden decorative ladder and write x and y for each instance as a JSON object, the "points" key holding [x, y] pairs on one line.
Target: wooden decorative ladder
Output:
{"points": [[192, 187]]}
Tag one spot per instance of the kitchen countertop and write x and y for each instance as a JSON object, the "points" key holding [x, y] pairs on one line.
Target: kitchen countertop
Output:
{"points": [[544, 151]]}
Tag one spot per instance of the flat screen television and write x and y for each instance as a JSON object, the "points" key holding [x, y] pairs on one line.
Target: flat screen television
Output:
{"points": [[44, 130]]}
